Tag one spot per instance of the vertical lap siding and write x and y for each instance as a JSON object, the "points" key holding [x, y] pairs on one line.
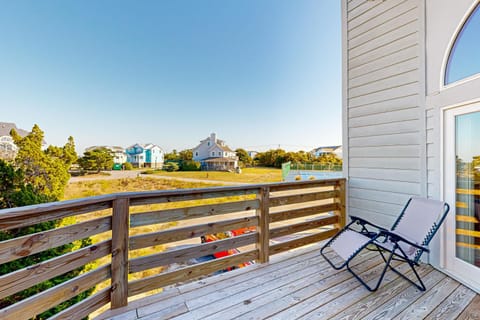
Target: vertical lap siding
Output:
{"points": [[385, 110]]}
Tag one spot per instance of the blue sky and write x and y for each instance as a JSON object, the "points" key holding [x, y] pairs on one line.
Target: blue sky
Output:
{"points": [[259, 73], [463, 61]]}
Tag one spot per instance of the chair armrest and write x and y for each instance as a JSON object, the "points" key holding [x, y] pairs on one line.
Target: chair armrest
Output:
{"points": [[396, 238], [364, 222]]}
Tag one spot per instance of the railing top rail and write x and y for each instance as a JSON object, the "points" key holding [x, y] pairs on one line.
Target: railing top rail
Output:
{"points": [[59, 209]]}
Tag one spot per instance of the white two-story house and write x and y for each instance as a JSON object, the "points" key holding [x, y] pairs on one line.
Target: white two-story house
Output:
{"points": [[335, 150], [214, 154]]}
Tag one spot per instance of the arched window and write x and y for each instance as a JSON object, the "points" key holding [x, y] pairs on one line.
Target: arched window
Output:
{"points": [[464, 58]]}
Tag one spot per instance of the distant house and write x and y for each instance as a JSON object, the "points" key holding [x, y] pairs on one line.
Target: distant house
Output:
{"points": [[8, 149], [252, 154], [145, 155], [214, 154], [118, 153], [320, 151]]}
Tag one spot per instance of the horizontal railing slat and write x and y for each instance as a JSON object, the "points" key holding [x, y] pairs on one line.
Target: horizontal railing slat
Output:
{"points": [[34, 243], [11, 219], [196, 231], [192, 272], [201, 195], [302, 226], [468, 245], [85, 307], [463, 218], [304, 197], [302, 212], [303, 185], [292, 244], [25, 278], [162, 216], [49, 298], [469, 233], [181, 255]]}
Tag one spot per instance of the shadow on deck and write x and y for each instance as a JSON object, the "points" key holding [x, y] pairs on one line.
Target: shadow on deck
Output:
{"points": [[300, 285]]}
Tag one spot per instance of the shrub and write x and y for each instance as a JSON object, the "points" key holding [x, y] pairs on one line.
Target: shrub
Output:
{"points": [[171, 166], [190, 165], [298, 178], [127, 166]]}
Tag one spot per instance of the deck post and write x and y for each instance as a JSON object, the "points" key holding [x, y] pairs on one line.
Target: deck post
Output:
{"points": [[120, 228], [340, 201], [263, 214]]}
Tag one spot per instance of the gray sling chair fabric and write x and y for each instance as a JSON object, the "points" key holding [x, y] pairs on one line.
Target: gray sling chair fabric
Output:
{"points": [[406, 241]]}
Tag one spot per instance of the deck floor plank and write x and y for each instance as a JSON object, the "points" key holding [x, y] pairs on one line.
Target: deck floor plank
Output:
{"points": [[353, 295], [404, 300], [427, 302], [166, 313], [269, 303], [300, 285], [245, 291], [373, 301], [472, 312], [453, 305]]}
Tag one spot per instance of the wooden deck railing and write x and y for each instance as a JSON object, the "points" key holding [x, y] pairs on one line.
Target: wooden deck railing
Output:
{"points": [[286, 216]]}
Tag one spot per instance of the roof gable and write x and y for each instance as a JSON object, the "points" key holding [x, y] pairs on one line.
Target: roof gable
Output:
{"points": [[6, 127]]}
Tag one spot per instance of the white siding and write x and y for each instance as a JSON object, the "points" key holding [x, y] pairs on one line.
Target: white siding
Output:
{"points": [[385, 109]]}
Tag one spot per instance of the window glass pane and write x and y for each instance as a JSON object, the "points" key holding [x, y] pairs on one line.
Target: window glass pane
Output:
{"points": [[464, 57], [467, 155]]}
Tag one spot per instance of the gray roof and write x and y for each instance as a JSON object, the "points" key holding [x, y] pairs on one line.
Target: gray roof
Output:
{"points": [[6, 127]]}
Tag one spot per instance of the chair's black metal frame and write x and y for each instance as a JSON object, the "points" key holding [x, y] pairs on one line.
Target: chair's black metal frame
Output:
{"points": [[381, 235]]}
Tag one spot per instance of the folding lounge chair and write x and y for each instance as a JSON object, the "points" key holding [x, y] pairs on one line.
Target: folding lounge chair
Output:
{"points": [[406, 241]]}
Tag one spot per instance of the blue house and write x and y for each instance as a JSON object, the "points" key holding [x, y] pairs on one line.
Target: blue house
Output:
{"points": [[145, 155]]}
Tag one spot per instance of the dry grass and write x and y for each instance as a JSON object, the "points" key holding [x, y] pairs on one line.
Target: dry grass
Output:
{"points": [[92, 188], [248, 175]]}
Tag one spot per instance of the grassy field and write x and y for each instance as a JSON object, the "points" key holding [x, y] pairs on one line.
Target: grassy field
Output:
{"points": [[248, 175], [90, 188]]}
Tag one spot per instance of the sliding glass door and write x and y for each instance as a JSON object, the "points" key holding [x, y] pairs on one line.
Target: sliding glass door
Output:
{"points": [[462, 191]]}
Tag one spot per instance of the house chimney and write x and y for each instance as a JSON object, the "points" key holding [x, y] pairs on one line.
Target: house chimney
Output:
{"points": [[213, 138]]}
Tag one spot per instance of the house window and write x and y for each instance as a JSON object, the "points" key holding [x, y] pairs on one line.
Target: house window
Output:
{"points": [[208, 143], [220, 154], [196, 154], [213, 154], [463, 60]]}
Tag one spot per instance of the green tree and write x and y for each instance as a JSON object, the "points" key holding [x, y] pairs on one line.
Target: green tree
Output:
{"points": [[45, 171], [243, 156], [15, 191], [186, 155], [329, 159], [271, 158], [96, 160], [174, 156]]}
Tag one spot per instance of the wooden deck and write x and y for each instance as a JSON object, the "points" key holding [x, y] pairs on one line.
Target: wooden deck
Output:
{"points": [[301, 285]]}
